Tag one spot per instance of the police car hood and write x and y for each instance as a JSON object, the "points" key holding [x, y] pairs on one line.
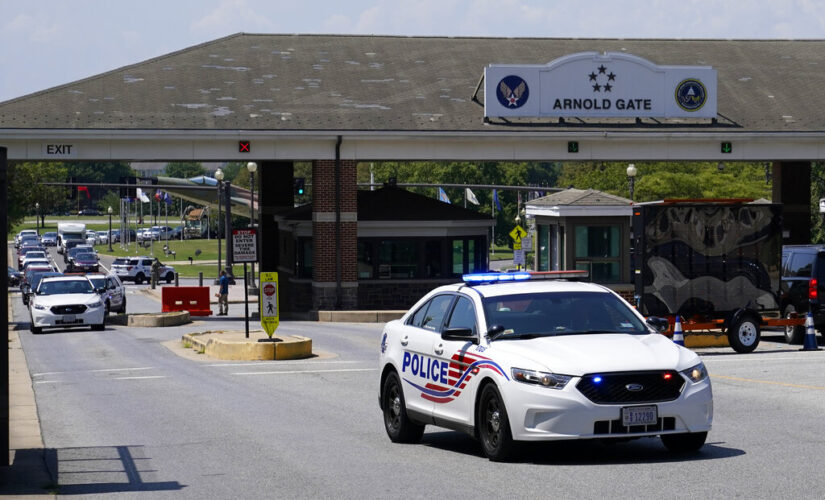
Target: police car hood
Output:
{"points": [[581, 354]]}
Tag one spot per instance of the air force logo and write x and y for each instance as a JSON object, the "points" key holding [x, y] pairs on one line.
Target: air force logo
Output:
{"points": [[691, 94], [512, 92]]}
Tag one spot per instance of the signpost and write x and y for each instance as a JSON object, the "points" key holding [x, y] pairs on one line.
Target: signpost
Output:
{"points": [[270, 315], [517, 234], [245, 249]]}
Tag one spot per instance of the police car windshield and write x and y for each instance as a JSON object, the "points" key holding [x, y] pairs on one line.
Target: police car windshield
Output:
{"points": [[560, 313], [61, 287]]}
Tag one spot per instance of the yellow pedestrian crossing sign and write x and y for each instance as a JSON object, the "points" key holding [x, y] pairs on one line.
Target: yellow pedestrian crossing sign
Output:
{"points": [[268, 306], [517, 234]]}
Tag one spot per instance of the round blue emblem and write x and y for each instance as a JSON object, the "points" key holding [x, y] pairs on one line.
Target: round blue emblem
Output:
{"points": [[512, 92], [691, 95]]}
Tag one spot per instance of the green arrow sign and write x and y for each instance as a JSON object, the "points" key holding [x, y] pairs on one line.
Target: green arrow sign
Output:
{"points": [[727, 147]]}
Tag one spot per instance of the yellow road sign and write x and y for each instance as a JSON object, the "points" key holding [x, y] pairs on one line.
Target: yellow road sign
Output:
{"points": [[518, 233], [517, 245], [268, 305]]}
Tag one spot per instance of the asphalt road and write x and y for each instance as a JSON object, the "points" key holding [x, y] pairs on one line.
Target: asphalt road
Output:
{"points": [[126, 411]]}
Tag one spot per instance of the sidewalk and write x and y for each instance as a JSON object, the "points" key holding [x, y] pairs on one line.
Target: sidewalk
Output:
{"points": [[29, 475]]}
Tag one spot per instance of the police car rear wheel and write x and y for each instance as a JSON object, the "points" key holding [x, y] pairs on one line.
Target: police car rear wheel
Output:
{"points": [[494, 426], [399, 427]]}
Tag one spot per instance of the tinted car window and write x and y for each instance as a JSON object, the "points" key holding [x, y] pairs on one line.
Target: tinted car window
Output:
{"points": [[436, 312], [419, 315], [463, 315], [801, 265]]}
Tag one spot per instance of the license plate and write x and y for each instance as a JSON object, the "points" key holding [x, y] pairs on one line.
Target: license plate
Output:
{"points": [[639, 415], [68, 318]]}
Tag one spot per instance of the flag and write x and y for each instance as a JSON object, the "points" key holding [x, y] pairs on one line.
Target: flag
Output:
{"points": [[471, 197], [442, 196], [167, 198], [495, 198], [84, 188], [142, 196]]}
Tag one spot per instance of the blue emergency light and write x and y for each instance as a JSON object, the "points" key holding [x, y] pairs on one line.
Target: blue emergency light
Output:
{"points": [[492, 277]]}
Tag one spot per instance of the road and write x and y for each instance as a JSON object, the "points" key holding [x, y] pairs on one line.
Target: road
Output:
{"points": [[127, 411]]}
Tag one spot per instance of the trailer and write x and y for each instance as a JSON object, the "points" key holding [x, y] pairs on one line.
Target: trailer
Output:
{"points": [[69, 231], [714, 263]]}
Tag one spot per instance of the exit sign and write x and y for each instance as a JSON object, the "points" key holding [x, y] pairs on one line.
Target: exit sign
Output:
{"points": [[573, 146], [727, 147]]}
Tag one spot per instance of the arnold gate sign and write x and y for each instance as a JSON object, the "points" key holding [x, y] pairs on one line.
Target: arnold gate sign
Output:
{"points": [[600, 85]]}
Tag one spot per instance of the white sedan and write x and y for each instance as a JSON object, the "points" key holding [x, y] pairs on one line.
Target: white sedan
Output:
{"points": [[508, 360], [66, 302]]}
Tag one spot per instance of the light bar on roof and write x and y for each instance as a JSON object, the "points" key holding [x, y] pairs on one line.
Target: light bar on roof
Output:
{"points": [[493, 277]]}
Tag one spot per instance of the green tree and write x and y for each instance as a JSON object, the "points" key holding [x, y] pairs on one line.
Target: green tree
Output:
{"points": [[184, 170], [25, 189]]}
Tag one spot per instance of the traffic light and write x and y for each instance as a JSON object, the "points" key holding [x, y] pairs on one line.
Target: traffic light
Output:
{"points": [[298, 186]]}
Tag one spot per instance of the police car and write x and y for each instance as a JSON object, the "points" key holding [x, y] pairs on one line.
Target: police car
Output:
{"points": [[510, 357]]}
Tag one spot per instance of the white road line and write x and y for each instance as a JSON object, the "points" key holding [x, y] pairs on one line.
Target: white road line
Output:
{"points": [[292, 372], [299, 362], [761, 359], [48, 382], [96, 371], [140, 378]]}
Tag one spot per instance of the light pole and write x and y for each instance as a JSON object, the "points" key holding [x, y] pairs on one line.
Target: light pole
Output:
{"points": [[110, 229], [252, 167], [37, 218], [219, 178], [631, 177]]}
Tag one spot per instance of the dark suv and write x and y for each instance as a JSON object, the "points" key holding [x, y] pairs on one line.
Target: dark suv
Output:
{"points": [[803, 287]]}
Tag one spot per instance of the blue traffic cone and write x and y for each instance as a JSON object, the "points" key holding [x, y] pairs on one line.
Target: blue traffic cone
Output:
{"points": [[678, 336], [810, 334]]}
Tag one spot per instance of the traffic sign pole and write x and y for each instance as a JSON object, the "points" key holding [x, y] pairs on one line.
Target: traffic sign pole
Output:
{"points": [[246, 300]]}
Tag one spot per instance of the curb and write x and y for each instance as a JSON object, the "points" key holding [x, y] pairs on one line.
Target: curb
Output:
{"points": [[235, 346], [359, 316], [159, 319]]}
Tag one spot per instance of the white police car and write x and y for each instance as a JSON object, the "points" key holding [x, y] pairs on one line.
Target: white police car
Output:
{"points": [[514, 357]]}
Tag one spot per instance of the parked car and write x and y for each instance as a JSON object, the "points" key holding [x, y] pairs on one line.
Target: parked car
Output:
{"points": [[14, 277], [66, 302], [88, 211], [102, 237], [802, 287], [49, 239], [111, 290], [139, 269]]}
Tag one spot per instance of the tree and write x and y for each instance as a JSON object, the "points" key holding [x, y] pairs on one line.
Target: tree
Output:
{"points": [[184, 170], [25, 189]]}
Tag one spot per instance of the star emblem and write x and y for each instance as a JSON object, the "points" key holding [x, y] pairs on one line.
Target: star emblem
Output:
{"points": [[597, 88], [611, 77], [602, 69], [592, 77], [608, 87]]}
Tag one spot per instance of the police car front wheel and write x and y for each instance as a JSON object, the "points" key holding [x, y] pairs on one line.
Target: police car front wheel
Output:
{"points": [[399, 427], [494, 426]]}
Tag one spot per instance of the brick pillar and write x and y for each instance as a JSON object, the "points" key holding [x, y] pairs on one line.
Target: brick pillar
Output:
{"points": [[335, 252], [792, 188]]}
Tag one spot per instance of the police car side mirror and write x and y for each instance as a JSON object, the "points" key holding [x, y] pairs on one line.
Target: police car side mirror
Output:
{"points": [[459, 334], [661, 325]]}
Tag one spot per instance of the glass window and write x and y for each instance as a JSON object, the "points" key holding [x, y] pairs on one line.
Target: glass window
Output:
{"points": [[543, 250], [399, 258], [597, 250], [416, 318], [463, 315], [458, 257], [432, 259], [366, 264], [801, 265], [436, 312]]}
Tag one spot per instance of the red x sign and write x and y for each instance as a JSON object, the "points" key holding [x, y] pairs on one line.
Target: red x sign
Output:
{"points": [[243, 146]]}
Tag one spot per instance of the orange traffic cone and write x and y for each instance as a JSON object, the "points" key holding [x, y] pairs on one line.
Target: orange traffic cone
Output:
{"points": [[810, 334], [678, 336]]}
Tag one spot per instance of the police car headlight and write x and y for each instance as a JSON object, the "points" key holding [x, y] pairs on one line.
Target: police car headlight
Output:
{"points": [[696, 373], [96, 303], [39, 307], [544, 379]]}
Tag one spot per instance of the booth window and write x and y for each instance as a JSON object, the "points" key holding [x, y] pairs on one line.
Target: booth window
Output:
{"points": [[598, 251]]}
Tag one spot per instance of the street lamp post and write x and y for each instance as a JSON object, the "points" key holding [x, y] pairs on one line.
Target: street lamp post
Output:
{"points": [[110, 229], [631, 177], [252, 167], [37, 217], [219, 178]]}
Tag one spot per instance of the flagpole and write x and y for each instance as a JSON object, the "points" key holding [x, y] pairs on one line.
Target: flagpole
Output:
{"points": [[493, 208]]}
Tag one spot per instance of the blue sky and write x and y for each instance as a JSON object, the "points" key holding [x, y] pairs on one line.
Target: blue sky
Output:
{"points": [[44, 43]]}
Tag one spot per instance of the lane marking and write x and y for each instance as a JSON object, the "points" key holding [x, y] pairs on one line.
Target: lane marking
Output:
{"points": [[769, 382], [49, 382], [292, 372], [298, 362], [96, 371], [754, 359], [140, 378]]}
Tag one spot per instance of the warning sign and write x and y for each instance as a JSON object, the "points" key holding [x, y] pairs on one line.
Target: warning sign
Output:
{"points": [[244, 246], [270, 317]]}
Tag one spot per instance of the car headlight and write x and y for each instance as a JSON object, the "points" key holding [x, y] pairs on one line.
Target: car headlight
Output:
{"points": [[544, 379], [96, 303], [696, 373], [39, 307]]}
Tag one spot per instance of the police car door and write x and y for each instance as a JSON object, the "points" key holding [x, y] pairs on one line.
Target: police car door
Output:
{"points": [[457, 356], [417, 339]]}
